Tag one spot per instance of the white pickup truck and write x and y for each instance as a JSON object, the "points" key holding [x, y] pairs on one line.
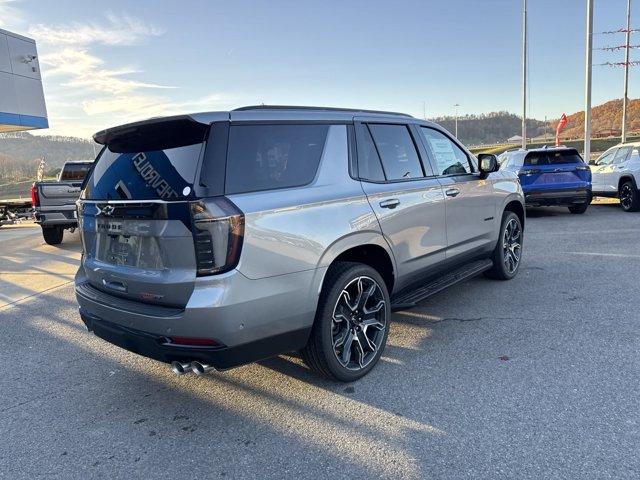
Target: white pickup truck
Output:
{"points": [[54, 202]]}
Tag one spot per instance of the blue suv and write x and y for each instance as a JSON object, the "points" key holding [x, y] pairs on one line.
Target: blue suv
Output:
{"points": [[551, 177]]}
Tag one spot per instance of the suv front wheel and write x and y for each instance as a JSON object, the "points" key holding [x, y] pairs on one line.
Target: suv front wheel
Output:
{"points": [[629, 200], [352, 323]]}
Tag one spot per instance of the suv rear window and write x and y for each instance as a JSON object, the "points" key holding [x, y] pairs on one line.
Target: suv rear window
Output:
{"points": [[553, 158], [144, 175], [74, 171], [267, 157]]}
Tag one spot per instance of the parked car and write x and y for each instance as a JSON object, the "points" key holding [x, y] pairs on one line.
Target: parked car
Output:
{"points": [[54, 202], [551, 177], [615, 173], [213, 240]]}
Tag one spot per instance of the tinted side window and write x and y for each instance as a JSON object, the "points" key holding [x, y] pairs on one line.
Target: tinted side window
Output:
{"points": [[606, 158], [369, 166], [266, 157], [397, 151], [622, 154], [450, 159]]}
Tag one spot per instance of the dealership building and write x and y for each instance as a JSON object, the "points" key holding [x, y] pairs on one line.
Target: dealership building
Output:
{"points": [[22, 105]]}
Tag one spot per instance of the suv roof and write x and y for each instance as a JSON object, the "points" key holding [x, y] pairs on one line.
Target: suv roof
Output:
{"points": [[318, 109], [258, 113]]}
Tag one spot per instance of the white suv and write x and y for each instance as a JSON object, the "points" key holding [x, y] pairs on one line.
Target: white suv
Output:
{"points": [[615, 174]]}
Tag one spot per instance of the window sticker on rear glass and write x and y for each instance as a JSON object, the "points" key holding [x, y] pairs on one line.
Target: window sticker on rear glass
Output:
{"points": [[145, 175]]}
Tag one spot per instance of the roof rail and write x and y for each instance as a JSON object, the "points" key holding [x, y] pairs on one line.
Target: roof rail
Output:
{"points": [[318, 109]]}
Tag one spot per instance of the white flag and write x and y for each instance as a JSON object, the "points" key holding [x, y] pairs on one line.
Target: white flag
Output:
{"points": [[40, 172]]}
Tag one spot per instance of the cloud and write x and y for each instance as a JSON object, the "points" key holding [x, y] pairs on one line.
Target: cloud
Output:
{"points": [[87, 92], [118, 30], [88, 86], [10, 16], [86, 71]]}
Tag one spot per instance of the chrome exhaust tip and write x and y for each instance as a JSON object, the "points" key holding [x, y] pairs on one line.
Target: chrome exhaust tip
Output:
{"points": [[201, 368], [180, 368]]}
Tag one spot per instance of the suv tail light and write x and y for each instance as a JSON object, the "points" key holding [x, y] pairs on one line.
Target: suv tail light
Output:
{"points": [[35, 199], [218, 231]]}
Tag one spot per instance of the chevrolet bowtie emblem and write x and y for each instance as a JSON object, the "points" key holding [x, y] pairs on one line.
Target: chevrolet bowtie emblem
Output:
{"points": [[107, 210]]}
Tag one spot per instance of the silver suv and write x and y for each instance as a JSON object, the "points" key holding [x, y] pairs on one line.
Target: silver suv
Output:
{"points": [[217, 239], [616, 173]]}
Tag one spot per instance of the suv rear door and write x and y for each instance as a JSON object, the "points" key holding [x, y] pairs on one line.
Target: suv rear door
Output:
{"points": [[554, 170], [470, 199], [405, 196], [136, 212]]}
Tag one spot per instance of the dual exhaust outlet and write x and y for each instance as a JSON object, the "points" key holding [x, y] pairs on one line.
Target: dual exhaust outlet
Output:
{"points": [[198, 368]]}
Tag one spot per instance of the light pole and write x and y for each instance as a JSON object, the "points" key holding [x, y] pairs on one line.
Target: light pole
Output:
{"points": [[587, 82], [524, 74], [456, 107], [626, 75]]}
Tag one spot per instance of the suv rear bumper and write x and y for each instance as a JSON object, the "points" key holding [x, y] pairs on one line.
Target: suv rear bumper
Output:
{"points": [[249, 319], [159, 347], [560, 197]]}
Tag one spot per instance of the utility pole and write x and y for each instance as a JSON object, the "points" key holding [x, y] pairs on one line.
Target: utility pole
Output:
{"points": [[424, 110], [545, 129], [524, 74], [457, 105], [626, 75], [587, 82]]}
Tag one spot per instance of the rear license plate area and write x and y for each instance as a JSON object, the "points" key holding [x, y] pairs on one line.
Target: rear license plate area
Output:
{"points": [[116, 247]]}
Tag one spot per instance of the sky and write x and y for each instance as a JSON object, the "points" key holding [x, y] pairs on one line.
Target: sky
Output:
{"points": [[111, 62]]}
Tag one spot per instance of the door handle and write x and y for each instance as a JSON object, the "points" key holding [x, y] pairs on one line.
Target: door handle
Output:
{"points": [[391, 203], [452, 192], [117, 286]]}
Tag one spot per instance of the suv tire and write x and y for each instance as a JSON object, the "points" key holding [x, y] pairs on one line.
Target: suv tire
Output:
{"points": [[578, 209], [507, 255], [53, 235], [354, 309], [629, 198]]}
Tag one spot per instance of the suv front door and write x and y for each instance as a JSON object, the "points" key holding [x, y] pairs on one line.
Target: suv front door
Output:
{"points": [[407, 199], [470, 200], [619, 165], [599, 171]]}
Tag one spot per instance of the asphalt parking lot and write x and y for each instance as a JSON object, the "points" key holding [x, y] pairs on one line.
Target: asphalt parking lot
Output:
{"points": [[533, 378]]}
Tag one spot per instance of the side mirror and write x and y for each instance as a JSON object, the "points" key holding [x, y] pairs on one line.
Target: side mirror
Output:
{"points": [[592, 162], [487, 163]]}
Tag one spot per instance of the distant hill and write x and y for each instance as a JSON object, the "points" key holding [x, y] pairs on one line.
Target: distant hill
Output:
{"points": [[20, 153], [606, 119], [489, 128], [497, 127]]}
